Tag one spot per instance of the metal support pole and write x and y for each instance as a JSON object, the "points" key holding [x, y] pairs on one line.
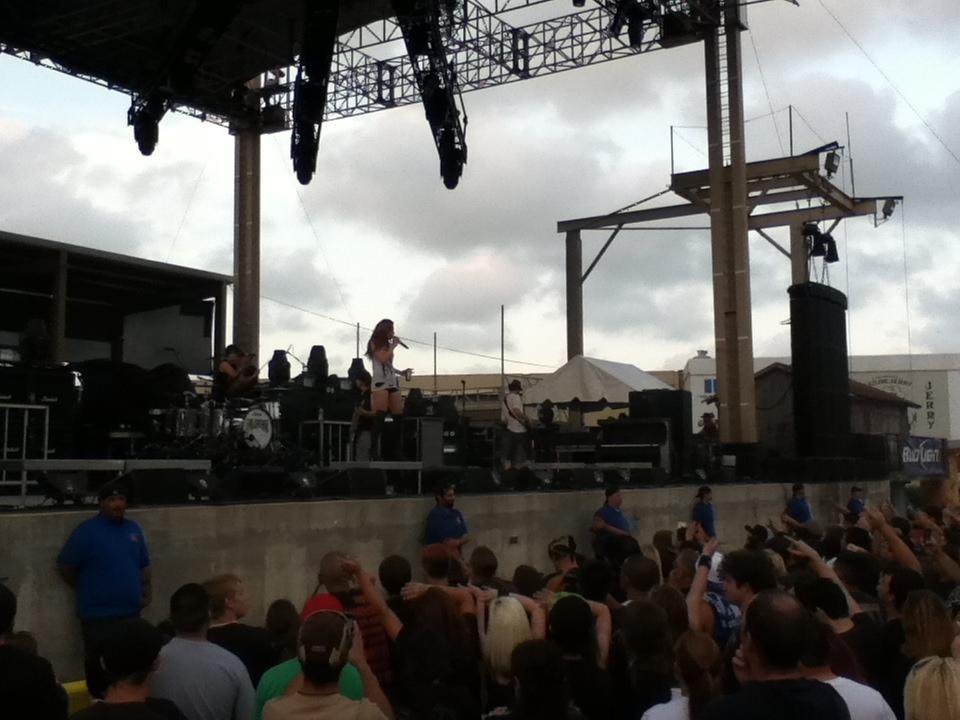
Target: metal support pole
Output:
{"points": [[503, 366], [58, 311], [853, 181], [435, 393], [729, 242], [799, 262], [574, 294], [219, 326], [740, 325], [790, 115], [672, 169], [358, 342], [246, 240]]}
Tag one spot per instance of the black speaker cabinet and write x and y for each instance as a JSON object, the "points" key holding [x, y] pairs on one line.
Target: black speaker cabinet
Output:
{"points": [[821, 382], [675, 406]]}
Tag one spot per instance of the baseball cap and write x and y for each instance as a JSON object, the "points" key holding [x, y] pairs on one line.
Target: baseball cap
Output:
{"points": [[325, 638], [320, 603]]}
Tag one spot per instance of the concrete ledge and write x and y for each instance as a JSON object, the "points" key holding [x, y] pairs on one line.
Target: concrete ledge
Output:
{"points": [[276, 547]]}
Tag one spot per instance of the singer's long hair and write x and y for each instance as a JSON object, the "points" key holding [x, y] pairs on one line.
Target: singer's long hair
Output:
{"points": [[379, 339]]}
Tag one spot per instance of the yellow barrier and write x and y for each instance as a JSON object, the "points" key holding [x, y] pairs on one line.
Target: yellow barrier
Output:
{"points": [[77, 695]]}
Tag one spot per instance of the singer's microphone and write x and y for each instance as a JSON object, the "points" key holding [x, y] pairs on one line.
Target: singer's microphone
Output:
{"points": [[401, 343]]}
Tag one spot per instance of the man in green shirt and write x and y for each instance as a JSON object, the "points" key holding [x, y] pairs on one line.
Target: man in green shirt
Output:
{"points": [[287, 677]]}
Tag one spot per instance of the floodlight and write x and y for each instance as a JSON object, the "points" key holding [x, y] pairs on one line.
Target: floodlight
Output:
{"points": [[889, 205], [832, 163]]}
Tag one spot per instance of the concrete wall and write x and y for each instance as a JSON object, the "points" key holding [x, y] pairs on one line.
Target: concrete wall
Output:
{"points": [[276, 547]]}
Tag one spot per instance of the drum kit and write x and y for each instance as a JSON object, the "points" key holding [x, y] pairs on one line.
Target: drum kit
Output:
{"points": [[253, 424]]}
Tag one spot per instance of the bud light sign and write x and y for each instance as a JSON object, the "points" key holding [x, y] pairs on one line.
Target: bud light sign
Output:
{"points": [[922, 456]]}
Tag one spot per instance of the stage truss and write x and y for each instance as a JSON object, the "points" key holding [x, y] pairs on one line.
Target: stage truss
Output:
{"points": [[488, 42]]}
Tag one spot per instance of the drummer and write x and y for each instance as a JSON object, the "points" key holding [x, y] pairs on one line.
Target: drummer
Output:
{"points": [[236, 374]]}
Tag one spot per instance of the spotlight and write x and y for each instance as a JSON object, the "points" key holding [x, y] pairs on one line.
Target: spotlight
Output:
{"points": [[146, 131], [889, 205], [830, 255], [452, 157], [579, 3], [619, 19], [819, 248], [145, 114], [832, 163], [278, 369], [813, 235]]}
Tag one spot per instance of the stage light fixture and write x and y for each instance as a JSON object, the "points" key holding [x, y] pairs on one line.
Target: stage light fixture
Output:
{"points": [[452, 158], [832, 163], [889, 205], [146, 131], [815, 238], [619, 19], [579, 3], [830, 254]]}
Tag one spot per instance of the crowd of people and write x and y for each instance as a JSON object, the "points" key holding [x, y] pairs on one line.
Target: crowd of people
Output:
{"points": [[854, 620]]}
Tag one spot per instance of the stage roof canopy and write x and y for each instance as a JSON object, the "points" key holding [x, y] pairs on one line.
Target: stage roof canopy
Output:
{"points": [[139, 46], [101, 287]]}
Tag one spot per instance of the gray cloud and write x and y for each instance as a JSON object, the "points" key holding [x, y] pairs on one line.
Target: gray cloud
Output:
{"points": [[40, 199]]}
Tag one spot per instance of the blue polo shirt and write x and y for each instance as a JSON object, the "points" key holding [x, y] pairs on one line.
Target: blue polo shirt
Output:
{"points": [[444, 523], [703, 514], [799, 510], [614, 517], [109, 557], [856, 506]]}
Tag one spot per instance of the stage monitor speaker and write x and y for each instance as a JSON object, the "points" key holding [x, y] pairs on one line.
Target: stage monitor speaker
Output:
{"points": [[821, 381], [677, 407]]}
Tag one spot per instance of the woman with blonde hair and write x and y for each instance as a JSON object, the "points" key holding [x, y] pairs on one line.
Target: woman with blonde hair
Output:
{"points": [[508, 625], [932, 691]]}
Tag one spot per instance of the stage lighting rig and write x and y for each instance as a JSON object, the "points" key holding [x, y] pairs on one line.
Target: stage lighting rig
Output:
{"points": [[422, 24], [634, 14], [310, 87], [820, 244], [145, 114]]}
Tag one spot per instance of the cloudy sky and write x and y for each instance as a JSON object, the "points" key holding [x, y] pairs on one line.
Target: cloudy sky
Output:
{"points": [[376, 234]]}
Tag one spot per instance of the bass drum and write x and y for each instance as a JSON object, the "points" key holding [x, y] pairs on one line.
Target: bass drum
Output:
{"points": [[256, 429]]}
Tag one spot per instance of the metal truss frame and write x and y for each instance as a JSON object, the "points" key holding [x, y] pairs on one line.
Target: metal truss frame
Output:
{"points": [[483, 47]]}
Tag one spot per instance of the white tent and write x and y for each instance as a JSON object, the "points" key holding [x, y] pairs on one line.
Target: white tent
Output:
{"points": [[591, 380]]}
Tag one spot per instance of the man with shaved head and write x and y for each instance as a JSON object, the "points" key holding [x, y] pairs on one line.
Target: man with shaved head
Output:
{"points": [[769, 669], [332, 579]]}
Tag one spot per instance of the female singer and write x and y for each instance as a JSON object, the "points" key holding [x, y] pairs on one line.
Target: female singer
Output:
{"points": [[385, 390]]}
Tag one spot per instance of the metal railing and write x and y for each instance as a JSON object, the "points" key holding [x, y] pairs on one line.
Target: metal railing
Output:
{"points": [[20, 442]]}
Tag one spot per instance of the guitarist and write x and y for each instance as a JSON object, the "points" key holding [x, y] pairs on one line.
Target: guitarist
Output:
{"points": [[516, 438]]}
